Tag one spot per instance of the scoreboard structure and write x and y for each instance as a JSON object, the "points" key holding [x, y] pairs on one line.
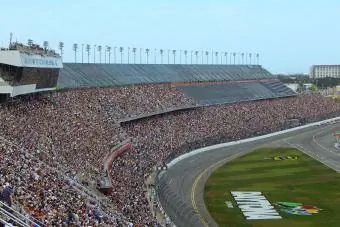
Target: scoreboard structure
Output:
{"points": [[28, 69]]}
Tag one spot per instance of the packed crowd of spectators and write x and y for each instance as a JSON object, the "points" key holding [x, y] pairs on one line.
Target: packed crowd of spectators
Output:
{"points": [[63, 137], [137, 100]]}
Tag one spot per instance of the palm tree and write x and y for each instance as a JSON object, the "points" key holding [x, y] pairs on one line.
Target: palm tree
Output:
{"points": [[216, 55], [94, 53], [207, 54], [88, 49], [234, 54], [121, 54], [134, 54], [147, 50], [250, 58], [174, 53], [257, 58], [99, 48], [75, 49], [226, 57], [161, 51], [61, 47], [242, 56], [185, 54]]}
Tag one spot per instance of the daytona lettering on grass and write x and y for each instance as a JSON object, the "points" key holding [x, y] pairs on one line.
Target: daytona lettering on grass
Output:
{"points": [[255, 206]]}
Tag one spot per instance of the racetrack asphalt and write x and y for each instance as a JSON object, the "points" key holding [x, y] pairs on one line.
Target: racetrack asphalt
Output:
{"points": [[180, 188]]}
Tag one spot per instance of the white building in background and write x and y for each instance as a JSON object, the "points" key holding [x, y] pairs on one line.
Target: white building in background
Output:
{"points": [[323, 71]]}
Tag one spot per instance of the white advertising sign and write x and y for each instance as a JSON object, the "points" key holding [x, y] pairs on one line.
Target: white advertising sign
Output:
{"points": [[255, 206], [38, 61]]}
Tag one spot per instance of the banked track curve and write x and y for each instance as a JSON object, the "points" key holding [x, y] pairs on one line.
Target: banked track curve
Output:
{"points": [[180, 188]]}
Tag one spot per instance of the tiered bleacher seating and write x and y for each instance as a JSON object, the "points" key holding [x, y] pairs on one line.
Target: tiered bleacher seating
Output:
{"points": [[102, 75]]}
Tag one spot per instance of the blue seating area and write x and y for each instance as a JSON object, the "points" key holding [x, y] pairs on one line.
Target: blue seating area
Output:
{"points": [[236, 92], [75, 75]]}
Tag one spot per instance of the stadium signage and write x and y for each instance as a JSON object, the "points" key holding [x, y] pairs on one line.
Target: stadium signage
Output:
{"points": [[255, 206], [41, 62]]}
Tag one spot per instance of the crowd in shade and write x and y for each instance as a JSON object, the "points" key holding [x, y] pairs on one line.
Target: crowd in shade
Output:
{"points": [[52, 145]]}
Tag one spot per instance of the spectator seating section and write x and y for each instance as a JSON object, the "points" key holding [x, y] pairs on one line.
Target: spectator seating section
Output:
{"points": [[235, 92], [101, 75]]}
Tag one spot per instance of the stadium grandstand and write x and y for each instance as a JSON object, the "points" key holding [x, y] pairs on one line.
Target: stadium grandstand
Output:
{"points": [[81, 154]]}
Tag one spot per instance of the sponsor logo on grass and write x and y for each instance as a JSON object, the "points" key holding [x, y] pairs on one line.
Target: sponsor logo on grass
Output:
{"points": [[229, 204], [297, 208], [255, 206], [289, 157]]}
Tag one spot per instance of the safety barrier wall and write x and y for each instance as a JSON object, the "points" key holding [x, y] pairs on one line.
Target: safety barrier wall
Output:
{"points": [[200, 150]]}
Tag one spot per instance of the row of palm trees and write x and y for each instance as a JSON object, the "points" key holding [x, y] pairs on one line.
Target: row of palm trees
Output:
{"points": [[195, 56]]}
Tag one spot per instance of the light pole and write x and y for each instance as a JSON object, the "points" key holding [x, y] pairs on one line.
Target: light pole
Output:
{"points": [[45, 44], [75, 49], [88, 49], [196, 54], [128, 55], [180, 56], [82, 53], [168, 56], [94, 53], [99, 48], [108, 49], [161, 51], [61, 47], [185, 55], [134, 54], [155, 55], [114, 54], [140, 55], [207, 54], [30, 42], [174, 53], [191, 56], [121, 54], [147, 50]]}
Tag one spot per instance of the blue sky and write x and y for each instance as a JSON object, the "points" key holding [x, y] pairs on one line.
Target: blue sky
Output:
{"points": [[289, 35]]}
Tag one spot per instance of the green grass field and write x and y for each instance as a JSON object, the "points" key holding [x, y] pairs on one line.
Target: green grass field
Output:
{"points": [[303, 180]]}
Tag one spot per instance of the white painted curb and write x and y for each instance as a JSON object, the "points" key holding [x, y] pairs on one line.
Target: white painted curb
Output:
{"points": [[228, 144]]}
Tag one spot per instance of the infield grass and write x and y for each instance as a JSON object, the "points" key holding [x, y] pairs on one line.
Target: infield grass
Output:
{"points": [[304, 180]]}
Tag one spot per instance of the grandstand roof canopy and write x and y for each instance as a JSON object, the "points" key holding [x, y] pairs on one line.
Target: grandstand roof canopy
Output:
{"points": [[97, 75]]}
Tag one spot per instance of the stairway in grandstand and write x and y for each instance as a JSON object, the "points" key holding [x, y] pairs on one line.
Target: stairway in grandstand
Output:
{"points": [[12, 217]]}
